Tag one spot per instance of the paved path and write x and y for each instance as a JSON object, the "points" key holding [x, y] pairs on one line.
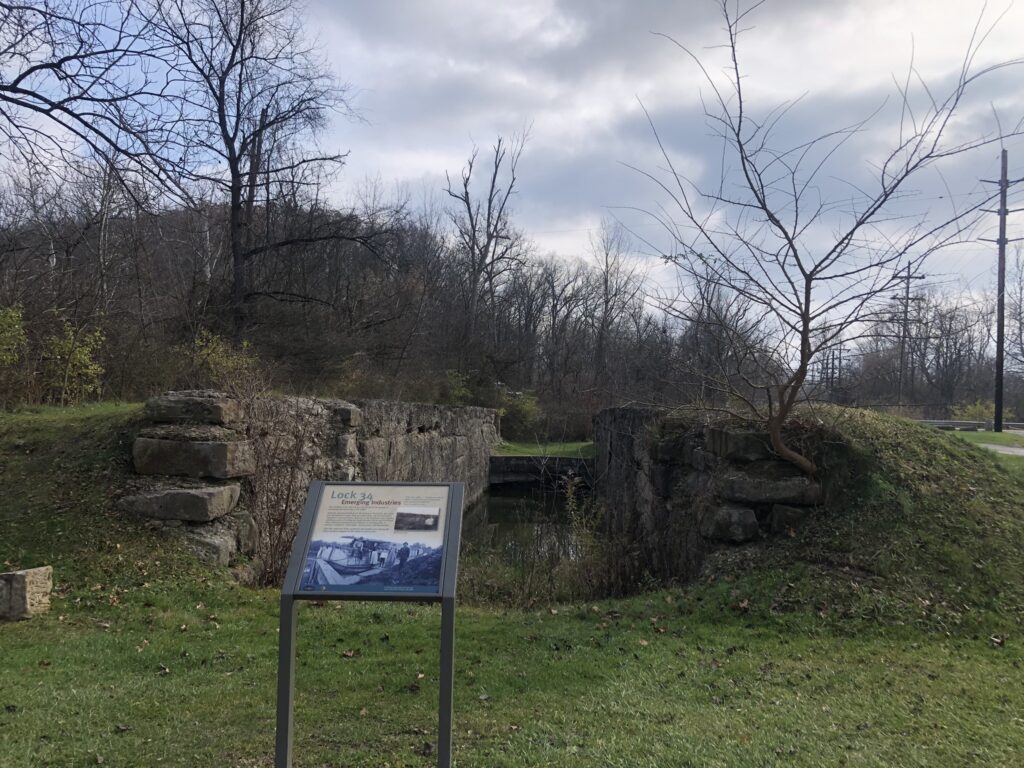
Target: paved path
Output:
{"points": [[1009, 450]]}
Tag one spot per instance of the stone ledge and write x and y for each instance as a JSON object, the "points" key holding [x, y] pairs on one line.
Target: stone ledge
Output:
{"points": [[193, 458], [191, 433], [759, 490], [26, 593], [730, 522], [193, 406], [738, 445], [217, 542], [197, 504]]}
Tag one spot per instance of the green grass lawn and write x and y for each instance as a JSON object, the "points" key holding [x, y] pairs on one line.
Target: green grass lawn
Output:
{"points": [[1013, 438], [147, 659], [572, 450], [183, 674]]}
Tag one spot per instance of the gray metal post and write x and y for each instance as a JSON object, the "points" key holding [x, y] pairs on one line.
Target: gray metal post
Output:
{"points": [[285, 683], [444, 729]]}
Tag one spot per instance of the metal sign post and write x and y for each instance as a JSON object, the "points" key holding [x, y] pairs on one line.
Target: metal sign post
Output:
{"points": [[330, 563]]}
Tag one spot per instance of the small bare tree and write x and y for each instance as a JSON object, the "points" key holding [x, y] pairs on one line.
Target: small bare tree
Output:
{"points": [[814, 269]]}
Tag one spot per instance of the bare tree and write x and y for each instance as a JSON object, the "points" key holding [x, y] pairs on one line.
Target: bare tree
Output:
{"points": [[620, 283], [814, 268], [251, 91], [482, 220]]}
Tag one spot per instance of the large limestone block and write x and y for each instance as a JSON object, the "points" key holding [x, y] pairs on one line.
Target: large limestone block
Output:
{"points": [[730, 522], [24, 594], [193, 406], [213, 544], [219, 459], [763, 490], [199, 504], [738, 445]]}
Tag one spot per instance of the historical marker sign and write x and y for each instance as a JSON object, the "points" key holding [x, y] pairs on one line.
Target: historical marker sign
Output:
{"points": [[377, 538], [373, 541]]}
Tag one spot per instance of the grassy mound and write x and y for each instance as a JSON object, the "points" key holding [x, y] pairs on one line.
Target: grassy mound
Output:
{"points": [[919, 527], [61, 470]]}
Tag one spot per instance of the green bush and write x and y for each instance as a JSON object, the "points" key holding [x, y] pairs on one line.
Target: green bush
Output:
{"points": [[455, 389], [980, 410], [12, 335], [70, 371], [211, 361], [521, 416], [13, 341]]}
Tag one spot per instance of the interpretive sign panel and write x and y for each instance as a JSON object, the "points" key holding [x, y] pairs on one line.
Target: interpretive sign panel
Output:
{"points": [[377, 538], [373, 541]]}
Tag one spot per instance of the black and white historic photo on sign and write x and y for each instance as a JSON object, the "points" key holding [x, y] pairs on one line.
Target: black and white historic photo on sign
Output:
{"points": [[370, 538]]}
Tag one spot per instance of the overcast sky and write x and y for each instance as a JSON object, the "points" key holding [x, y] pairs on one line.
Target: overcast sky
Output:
{"points": [[433, 78]]}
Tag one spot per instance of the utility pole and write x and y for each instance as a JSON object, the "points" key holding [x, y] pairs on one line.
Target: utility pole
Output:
{"points": [[1001, 241], [1004, 185], [905, 331]]}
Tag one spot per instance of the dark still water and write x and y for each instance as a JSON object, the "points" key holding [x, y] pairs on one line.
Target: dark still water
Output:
{"points": [[524, 522]]}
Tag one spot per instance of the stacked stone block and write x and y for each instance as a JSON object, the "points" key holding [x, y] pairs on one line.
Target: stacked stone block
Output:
{"points": [[192, 459], [197, 470], [676, 491]]}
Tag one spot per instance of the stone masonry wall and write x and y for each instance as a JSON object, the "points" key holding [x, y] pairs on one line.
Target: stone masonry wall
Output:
{"points": [[212, 471], [421, 442], [675, 490]]}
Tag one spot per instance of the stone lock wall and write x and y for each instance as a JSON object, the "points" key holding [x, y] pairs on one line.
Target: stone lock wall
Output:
{"points": [[196, 461], [676, 491]]}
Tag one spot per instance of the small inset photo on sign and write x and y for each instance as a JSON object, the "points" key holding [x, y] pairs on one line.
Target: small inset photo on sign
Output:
{"points": [[417, 519]]}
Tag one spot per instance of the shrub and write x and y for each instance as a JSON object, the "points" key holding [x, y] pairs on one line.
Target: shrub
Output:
{"points": [[521, 416], [70, 370], [979, 410], [12, 344], [12, 335], [210, 361], [455, 389]]}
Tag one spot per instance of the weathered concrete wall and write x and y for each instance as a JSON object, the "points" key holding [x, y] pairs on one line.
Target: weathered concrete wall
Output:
{"points": [[674, 489], [231, 477]]}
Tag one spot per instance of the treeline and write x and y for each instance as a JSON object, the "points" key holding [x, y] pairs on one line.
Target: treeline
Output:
{"points": [[105, 299], [936, 360], [102, 298]]}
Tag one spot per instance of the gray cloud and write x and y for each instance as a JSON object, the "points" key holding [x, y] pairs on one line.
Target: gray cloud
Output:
{"points": [[433, 78]]}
